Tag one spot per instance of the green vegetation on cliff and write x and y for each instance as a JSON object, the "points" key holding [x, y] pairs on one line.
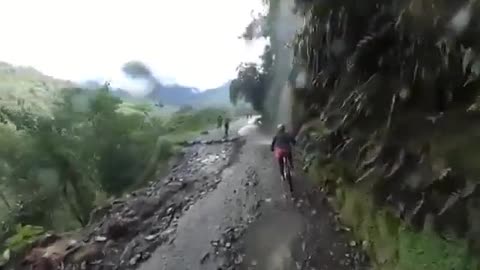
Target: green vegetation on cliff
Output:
{"points": [[23, 86], [391, 243]]}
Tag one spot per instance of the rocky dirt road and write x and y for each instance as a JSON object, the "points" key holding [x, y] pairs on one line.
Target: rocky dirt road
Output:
{"points": [[248, 222], [223, 206]]}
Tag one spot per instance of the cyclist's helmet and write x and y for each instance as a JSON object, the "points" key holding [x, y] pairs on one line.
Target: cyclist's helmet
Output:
{"points": [[281, 128]]}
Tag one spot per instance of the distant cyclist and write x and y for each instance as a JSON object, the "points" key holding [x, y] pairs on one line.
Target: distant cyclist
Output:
{"points": [[282, 146]]}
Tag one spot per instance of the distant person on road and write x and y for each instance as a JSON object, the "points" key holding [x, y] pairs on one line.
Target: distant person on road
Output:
{"points": [[219, 121], [282, 146], [226, 125]]}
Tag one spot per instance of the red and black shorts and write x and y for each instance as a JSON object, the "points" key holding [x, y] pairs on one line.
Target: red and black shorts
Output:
{"points": [[281, 153]]}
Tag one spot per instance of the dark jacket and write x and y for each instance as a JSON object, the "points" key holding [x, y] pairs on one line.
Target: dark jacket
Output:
{"points": [[283, 141]]}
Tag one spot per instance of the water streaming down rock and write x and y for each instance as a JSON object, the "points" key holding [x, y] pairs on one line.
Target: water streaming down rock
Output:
{"points": [[285, 106], [285, 26], [284, 114]]}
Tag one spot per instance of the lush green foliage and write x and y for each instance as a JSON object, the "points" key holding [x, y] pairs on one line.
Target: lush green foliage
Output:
{"points": [[23, 236], [26, 87], [55, 169], [253, 81], [390, 242]]}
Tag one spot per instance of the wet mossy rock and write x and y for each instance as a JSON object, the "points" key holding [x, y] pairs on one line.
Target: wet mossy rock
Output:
{"points": [[390, 117]]}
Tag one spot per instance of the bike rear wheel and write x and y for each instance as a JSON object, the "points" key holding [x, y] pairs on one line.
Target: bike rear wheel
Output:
{"points": [[287, 173]]}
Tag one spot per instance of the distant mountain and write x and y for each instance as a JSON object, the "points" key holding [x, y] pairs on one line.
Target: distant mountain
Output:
{"points": [[123, 94], [25, 85], [181, 95], [176, 95], [218, 96], [91, 84], [172, 94]]}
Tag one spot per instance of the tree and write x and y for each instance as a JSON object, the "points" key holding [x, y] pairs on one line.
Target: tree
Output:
{"points": [[84, 147], [250, 85]]}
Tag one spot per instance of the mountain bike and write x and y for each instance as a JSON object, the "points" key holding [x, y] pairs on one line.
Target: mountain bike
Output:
{"points": [[287, 172]]}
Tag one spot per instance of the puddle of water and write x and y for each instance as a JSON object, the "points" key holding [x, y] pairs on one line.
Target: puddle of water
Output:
{"points": [[252, 132], [269, 240], [211, 159], [264, 141]]}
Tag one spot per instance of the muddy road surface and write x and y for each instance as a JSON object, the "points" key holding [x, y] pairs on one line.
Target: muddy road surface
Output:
{"points": [[249, 221], [223, 206]]}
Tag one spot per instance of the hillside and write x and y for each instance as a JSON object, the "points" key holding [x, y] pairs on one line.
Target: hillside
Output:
{"points": [[216, 96], [28, 87]]}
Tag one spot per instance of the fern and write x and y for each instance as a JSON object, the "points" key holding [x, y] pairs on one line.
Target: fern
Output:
{"points": [[23, 237]]}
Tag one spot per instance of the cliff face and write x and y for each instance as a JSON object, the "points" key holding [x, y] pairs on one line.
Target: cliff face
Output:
{"points": [[390, 111]]}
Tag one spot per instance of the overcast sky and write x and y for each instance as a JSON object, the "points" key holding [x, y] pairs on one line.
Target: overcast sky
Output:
{"points": [[190, 42]]}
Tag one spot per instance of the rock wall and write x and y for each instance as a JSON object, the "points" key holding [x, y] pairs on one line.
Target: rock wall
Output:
{"points": [[389, 114]]}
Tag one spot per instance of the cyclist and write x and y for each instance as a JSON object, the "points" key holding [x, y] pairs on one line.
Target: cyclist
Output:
{"points": [[282, 146]]}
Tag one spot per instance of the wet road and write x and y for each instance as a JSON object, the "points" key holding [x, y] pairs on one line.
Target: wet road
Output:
{"points": [[248, 222]]}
